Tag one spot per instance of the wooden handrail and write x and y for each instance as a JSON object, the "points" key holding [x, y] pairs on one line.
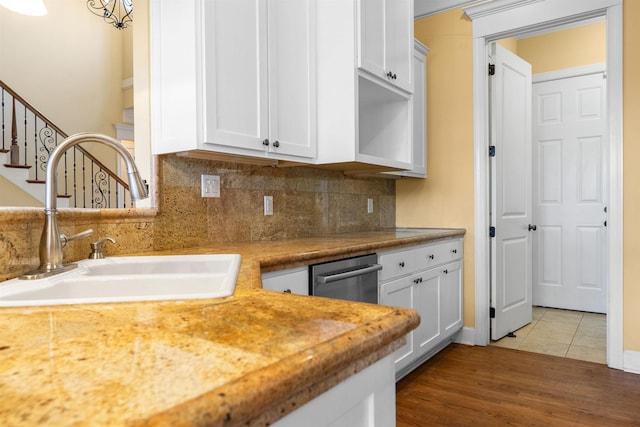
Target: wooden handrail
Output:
{"points": [[64, 135]]}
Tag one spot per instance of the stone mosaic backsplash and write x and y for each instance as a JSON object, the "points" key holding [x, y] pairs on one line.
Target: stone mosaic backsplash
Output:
{"points": [[307, 202]]}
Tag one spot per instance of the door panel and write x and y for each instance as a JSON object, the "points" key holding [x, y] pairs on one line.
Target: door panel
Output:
{"points": [[238, 112], [511, 192], [569, 155]]}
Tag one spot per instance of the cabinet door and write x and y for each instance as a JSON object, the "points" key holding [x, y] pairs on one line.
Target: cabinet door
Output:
{"points": [[293, 281], [386, 40], [400, 293], [399, 42], [427, 303], [451, 307], [371, 55], [235, 71], [292, 69]]}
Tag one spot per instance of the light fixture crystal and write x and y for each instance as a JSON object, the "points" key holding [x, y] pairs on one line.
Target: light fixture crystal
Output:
{"points": [[115, 12]]}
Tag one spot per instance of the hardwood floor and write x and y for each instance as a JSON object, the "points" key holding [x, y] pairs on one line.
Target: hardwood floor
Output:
{"points": [[465, 385]]}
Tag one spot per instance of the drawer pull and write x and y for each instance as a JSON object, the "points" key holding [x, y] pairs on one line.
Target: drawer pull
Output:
{"points": [[418, 280], [455, 251], [401, 264], [287, 291], [446, 271], [431, 256]]}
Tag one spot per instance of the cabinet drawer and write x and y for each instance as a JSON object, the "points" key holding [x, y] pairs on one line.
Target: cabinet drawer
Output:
{"points": [[438, 254], [396, 264]]}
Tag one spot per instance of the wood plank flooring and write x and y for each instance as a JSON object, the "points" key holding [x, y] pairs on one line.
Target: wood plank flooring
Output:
{"points": [[464, 385]]}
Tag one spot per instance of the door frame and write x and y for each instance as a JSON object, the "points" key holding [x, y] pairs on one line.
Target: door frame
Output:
{"points": [[504, 18]]}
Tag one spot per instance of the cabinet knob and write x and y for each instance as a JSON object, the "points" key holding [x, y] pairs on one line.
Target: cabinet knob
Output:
{"points": [[446, 271], [287, 291], [454, 251], [276, 144], [265, 142], [389, 75], [431, 256], [532, 227], [401, 264], [394, 76]]}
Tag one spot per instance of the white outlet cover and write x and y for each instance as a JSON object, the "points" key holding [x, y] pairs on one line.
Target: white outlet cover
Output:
{"points": [[210, 186], [268, 205]]}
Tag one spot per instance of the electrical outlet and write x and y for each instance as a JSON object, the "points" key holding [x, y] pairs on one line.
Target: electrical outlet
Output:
{"points": [[369, 205], [210, 185], [268, 205]]}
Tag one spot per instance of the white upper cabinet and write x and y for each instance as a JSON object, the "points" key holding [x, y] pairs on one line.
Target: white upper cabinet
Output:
{"points": [[364, 120], [284, 80], [386, 40], [234, 76], [419, 169]]}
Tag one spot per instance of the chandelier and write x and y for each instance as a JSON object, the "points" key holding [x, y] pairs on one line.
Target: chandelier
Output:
{"points": [[114, 12]]}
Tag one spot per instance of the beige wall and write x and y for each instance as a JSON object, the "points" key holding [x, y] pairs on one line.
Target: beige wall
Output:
{"points": [[67, 64], [569, 48], [446, 197], [631, 175]]}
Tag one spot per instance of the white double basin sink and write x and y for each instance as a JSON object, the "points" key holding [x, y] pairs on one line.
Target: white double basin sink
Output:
{"points": [[129, 279]]}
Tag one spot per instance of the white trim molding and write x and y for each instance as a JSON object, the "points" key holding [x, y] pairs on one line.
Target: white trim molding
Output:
{"points": [[422, 8], [568, 73], [504, 18], [632, 361], [466, 336]]}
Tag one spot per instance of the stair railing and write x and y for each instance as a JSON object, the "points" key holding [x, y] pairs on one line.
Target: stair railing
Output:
{"points": [[86, 181]]}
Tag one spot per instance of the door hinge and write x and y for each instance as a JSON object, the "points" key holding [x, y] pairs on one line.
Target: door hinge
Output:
{"points": [[492, 151], [492, 312], [492, 69], [492, 232]]}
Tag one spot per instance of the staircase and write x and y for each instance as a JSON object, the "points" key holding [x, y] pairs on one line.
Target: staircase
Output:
{"points": [[19, 177], [26, 141]]}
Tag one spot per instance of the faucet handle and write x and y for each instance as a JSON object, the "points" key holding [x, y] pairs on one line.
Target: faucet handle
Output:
{"points": [[96, 248], [66, 239]]}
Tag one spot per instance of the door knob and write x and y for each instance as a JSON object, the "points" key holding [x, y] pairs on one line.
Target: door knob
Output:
{"points": [[532, 227]]}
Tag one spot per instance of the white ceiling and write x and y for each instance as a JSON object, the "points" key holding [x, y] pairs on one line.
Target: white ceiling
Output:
{"points": [[429, 7]]}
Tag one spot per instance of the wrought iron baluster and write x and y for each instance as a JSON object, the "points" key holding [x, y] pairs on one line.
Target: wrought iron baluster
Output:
{"points": [[84, 181], [66, 171], [75, 180], [3, 121], [25, 137]]}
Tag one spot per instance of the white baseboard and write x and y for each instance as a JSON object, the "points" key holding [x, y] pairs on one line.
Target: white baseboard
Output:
{"points": [[632, 361], [466, 336]]}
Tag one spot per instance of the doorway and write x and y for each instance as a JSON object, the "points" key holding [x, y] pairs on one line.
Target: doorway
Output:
{"points": [[492, 21], [548, 173]]}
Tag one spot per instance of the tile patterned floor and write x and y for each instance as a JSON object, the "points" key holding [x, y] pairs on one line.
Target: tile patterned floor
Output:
{"points": [[564, 333]]}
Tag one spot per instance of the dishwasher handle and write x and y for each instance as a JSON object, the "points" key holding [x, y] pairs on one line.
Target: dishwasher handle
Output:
{"points": [[348, 274]]}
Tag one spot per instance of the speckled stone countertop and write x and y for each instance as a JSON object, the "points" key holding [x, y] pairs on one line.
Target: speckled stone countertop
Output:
{"points": [[248, 359]]}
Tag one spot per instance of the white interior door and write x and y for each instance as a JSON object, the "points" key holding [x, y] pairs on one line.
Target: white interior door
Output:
{"points": [[511, 212], [570, 152]]}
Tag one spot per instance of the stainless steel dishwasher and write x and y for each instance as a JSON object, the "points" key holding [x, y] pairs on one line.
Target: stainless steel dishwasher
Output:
{"points": [[353, 279]]}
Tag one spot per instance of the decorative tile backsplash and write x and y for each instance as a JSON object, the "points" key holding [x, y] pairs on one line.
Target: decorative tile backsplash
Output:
{"points": [[306, 202]]}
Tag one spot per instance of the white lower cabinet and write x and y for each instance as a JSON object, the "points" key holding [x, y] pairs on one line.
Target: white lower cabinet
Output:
{"points": [[427, 278], [366, 399], [293, 280]]}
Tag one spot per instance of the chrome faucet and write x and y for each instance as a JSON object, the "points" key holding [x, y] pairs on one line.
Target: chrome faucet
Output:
{"points": [[52, 242]]}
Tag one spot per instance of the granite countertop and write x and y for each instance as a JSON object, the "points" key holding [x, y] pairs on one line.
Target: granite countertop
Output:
{"points": [[247, 359]]}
